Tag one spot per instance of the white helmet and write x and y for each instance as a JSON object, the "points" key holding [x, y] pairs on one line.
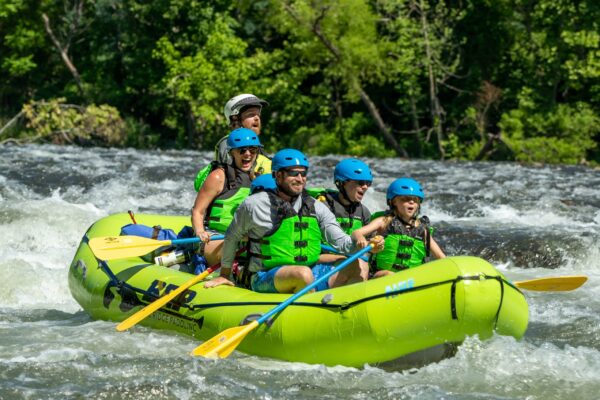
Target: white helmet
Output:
{"points": [[235, 104]]}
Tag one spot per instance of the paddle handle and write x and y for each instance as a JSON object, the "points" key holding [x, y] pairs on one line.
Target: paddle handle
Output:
{"points": [[195, 239], [316, 283]]}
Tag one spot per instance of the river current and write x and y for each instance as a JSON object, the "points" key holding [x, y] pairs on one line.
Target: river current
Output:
{"points": [[529, 222]]}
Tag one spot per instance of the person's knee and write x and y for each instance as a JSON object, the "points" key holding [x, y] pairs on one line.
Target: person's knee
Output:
{"points": [[304, 274]]}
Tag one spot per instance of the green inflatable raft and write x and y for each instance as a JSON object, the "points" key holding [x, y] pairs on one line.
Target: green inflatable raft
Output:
{"points": [[374, 322]]}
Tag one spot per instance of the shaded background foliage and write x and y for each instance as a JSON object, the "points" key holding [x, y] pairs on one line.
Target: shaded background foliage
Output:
{"points": [[473, 79]]}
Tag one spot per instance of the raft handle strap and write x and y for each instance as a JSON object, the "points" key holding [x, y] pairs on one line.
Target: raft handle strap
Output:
{"points": [[472, 278]]}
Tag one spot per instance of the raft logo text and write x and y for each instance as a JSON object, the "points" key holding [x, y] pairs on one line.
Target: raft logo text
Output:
{"points": [[159, 288], [392, 290]]}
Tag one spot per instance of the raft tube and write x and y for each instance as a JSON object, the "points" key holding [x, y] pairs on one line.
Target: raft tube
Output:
{"points": [[373, 322]]}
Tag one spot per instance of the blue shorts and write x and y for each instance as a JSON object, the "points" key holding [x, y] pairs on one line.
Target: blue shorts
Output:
{"points": [[264, 281]]}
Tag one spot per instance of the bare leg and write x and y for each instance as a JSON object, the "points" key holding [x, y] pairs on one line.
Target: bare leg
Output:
{"points": [[381, 273], [212, 252], [353, 273], [292, 278]]}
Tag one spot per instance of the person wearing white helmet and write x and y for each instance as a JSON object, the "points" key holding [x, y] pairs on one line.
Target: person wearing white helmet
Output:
{"points": [[284, 229], [241, 111]]}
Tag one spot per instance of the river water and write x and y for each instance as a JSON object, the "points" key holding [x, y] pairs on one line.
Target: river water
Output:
{"points": [[528, 221]]}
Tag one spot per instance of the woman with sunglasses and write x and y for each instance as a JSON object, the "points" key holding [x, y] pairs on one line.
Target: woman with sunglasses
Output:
{"points": [[352, 179], [408, 238], [224, 189]]}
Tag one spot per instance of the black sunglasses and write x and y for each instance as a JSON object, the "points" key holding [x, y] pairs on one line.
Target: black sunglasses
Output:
{"points": [[363, 183], [252, 150], [296, 173]]}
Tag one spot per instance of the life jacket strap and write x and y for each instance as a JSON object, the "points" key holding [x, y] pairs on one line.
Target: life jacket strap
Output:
{"points": [[403, 256]]}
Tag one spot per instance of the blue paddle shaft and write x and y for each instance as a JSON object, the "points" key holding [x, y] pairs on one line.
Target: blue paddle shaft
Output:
{"points": [[308, 288], [195, 239], [332, 250]]}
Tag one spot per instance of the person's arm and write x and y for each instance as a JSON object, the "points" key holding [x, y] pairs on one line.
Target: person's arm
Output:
{"points": [[208, 192], [337, 237], [435, 249], [331, 229], [359, 235]]}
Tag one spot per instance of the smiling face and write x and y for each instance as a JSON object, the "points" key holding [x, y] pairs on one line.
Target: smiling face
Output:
{"points": [[355, 190], [290, 180], [406, 207], [244, 157], [250, 118]]}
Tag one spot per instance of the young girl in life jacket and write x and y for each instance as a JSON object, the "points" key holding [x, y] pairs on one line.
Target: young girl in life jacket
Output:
{"points": [[408, 238]]}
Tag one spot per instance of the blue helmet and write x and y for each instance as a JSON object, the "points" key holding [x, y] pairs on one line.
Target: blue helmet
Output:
{"points": [[263, 182], [242, 137], [287, 158], [352, 169], [405, 187]]}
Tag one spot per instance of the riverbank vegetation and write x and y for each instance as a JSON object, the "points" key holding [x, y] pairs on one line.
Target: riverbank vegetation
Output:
{"points": [[501, 80]]}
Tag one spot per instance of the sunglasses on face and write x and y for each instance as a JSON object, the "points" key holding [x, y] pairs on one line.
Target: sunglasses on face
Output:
{"points": [[252, 150], [406, 199], [296, 173], [364, 183]]}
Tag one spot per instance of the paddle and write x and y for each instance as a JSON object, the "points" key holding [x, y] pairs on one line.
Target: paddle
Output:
{"points": [[162, 301], [221, 345], [113, 247], [334, 251], [552, 284]]}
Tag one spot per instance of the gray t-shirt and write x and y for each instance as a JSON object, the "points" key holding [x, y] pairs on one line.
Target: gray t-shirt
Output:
{"points": [[222, 151], [254, 218]]}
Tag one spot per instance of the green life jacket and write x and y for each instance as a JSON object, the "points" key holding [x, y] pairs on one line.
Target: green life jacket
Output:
{"points": [[203, 174], [295, 238], [261, 166], [349, 217], [236, 188], [405, 247]]}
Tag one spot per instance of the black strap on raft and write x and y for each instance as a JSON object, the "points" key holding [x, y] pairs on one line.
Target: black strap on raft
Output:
{"points": [[476, 278]]}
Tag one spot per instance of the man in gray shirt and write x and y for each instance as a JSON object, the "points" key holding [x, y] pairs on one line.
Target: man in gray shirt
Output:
{"points": [[284, 231]]}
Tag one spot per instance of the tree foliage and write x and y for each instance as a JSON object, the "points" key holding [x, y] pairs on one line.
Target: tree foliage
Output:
{"points": [[502, 80]]}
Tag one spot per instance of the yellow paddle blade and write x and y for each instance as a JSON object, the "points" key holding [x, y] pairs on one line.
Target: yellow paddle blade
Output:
{"points": [[160, 302], [113, 247], [224, 343], [553, 284]]}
